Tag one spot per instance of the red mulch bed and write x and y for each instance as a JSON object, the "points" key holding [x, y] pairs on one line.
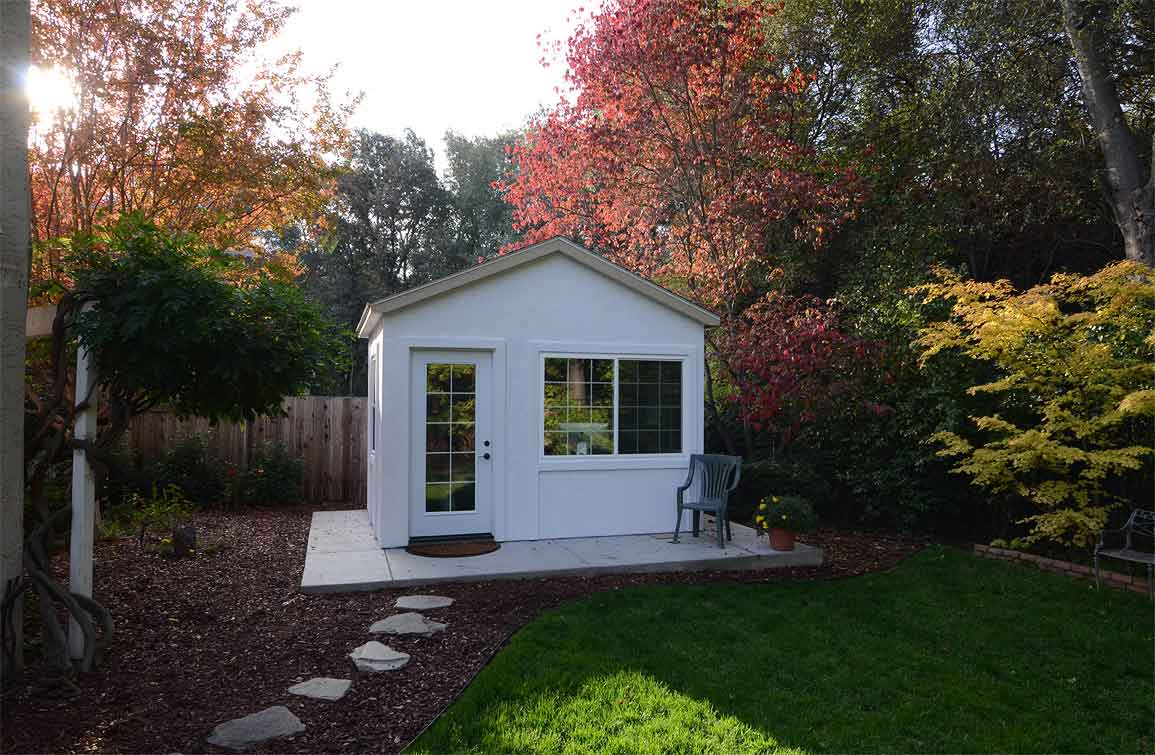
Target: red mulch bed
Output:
{"points": [[205, 640]]}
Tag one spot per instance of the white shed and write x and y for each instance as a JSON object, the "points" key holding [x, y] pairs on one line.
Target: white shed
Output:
{"points": [[547, 393]]}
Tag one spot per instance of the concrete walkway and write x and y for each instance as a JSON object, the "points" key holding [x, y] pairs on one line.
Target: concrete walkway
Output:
{"points": [[343, 556]]}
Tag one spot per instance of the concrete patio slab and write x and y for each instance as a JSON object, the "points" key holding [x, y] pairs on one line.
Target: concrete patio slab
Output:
{"points": [[343, 556]]}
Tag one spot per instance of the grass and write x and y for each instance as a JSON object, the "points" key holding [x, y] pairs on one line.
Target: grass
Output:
{"points": [[947, 653]]}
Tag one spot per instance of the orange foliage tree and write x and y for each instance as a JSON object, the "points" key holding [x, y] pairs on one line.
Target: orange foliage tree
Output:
{"points": [[178, 117], [673, 155]]}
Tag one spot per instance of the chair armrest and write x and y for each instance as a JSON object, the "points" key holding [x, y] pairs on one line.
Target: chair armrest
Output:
{"points": [[689, 478], [737, 478], [1112, 531]]}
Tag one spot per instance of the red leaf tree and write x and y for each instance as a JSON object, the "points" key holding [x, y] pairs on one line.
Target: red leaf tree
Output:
{"points": [[791, 363], [672, 155]]}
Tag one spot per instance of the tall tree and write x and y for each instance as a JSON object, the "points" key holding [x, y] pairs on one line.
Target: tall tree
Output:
{"points": [[980, 150], [14, 42], [178, 117], [388, 228], [1130, 180], [675, 156], [483, 220]]}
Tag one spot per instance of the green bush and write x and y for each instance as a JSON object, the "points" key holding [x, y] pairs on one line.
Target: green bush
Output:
{"points": [[274, 477], [801, 472], [189, 466], [162, 509]]}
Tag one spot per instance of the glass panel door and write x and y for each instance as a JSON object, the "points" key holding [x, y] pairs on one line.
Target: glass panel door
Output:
{"points": [[453, 453]]}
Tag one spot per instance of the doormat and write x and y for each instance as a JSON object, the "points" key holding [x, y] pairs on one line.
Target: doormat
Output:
{"points": [[453, 548]]}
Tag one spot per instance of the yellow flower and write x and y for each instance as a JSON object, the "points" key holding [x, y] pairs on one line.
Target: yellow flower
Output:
{"points": [[784, 517], [759, 519], [775, 499]]}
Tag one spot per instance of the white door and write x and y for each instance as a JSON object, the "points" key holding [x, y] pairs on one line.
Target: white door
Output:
{"points": [[452, 465]]}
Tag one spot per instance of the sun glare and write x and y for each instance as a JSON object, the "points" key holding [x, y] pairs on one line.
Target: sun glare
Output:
{"points": [[50, 90]]}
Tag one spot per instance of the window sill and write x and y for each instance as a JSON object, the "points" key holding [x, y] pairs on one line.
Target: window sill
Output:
{"points": [[606, 463]]}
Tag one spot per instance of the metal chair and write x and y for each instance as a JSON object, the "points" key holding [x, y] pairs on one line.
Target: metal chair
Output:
{"points": [[717, 478], [1141, 523]]}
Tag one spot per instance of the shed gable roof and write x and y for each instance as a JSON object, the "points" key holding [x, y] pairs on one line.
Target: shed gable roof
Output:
{"points": [[499, 265]]}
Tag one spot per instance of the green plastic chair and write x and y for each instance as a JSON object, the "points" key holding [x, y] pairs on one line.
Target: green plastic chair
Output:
{"points": [[718, 477]]}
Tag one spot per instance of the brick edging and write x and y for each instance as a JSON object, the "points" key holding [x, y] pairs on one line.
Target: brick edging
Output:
{"points": [[1110, 578]]}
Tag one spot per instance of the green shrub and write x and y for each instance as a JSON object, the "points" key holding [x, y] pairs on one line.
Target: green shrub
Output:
{"points": [[799, 471], [785, 512], [162, 509], [274, 477], [189, 466]]}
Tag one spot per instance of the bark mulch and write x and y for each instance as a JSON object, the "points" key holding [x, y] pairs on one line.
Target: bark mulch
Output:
{"points": [[204, 640]]}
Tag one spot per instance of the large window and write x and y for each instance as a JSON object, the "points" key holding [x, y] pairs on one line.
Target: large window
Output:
{"points": [[600, 406]]}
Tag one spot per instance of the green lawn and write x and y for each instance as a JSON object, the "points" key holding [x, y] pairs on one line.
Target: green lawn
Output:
{"points": [[947, 653]]}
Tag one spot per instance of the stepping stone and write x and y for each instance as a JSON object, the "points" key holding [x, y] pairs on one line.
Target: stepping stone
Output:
{"points": [[270, 723], [374, 657], [322, 688], [423, 602], [407, 623]]}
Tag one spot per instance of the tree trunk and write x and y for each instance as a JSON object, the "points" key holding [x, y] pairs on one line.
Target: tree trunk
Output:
{"points": [[15, 22], [1132, 198], [712, 413]]}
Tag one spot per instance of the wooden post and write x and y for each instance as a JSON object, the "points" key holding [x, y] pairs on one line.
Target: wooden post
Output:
{"points": [[15, 26], [83, 496]]}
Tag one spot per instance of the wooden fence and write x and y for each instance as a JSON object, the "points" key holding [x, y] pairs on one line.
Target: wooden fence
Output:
{"points": [[327, 433]]}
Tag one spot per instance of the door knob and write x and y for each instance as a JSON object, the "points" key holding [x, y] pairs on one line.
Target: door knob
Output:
{"points": [[485, 455]]}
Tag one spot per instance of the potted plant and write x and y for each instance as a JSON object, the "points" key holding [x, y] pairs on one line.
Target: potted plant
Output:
{"points": [[782, 517]]}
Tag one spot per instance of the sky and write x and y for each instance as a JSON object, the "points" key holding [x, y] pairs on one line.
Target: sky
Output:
{"points": [[434, 65]]}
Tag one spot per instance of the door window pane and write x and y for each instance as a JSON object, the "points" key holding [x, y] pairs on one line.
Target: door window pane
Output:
{"points": [[437, 496], [649, 406], [437, 407], [450, 414], [463, 497], [437, 467], [463, 467]]}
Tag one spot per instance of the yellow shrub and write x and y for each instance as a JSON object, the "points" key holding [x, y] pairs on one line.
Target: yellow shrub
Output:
{"points": [[1076, 390]]}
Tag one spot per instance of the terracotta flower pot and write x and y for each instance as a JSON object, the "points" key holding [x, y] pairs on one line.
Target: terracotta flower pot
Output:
{"points": [[781, 540]]}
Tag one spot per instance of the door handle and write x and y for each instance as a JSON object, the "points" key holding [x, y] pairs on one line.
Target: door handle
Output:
{"points": [[485, 455]]}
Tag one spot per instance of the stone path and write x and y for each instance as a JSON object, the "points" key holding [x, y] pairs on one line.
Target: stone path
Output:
{"points": [[270, 723], [372, 657], [422, 602], [407, 623], [322, 688]]}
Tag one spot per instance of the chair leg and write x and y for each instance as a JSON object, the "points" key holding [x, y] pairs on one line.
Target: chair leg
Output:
{"points": [[729, 532], [697, 522], [1151, 580], [677, 525], [720, 526], [1098, 582]]}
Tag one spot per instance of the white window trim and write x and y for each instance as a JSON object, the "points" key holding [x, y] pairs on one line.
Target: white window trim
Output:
{"points": [[672, 460]]}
